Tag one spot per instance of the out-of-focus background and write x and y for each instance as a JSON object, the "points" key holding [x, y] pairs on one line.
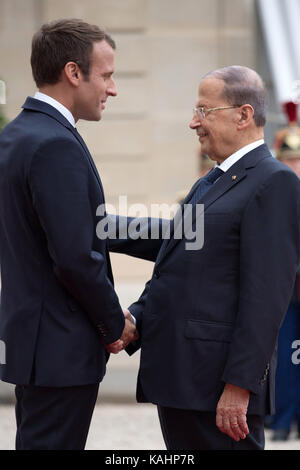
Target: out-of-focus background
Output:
{"points": [[143, 146]]}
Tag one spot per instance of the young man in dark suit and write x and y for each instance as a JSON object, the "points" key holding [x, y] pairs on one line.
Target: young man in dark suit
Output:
{"points": [[59, 310], [209, 318]]}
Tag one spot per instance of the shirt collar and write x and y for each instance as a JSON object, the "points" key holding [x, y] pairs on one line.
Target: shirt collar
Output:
{"points": [[60, 107], [226, 164]]}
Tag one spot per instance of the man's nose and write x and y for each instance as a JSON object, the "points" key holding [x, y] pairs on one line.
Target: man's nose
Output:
{"points": [[195, 122], [112, 89]]}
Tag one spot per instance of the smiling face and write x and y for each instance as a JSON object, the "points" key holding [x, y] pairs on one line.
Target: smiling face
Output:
{"points": [[94, 91], [217, 131]]}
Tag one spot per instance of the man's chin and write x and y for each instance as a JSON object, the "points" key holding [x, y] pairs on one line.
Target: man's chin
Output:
{"points": [[206, 151], [95, 117], [204, 148]]}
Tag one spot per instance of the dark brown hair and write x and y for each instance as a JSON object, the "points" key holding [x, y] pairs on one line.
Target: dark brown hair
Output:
{"points": [[60, 42]]}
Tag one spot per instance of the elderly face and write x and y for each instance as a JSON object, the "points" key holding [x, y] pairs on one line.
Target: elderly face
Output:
{"points": [[217, 131]]}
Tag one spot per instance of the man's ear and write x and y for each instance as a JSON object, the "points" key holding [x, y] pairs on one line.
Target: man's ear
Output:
{"points": [[72, 73], [244, 116]]}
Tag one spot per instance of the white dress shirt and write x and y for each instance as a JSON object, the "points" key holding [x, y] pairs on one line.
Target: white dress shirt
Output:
{"points": [[58, 106], [226, 164]]}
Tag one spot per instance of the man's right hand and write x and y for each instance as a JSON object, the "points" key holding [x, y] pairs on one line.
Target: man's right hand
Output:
{"points": [[129, 333], [114, 348]]}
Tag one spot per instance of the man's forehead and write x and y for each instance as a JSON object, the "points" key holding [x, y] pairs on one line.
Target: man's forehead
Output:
{"points": [[102, 58], [211, 85], [103, 51], [210, 88]]}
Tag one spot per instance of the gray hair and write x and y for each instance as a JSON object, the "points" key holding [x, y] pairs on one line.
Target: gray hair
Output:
{"points": [[243, 85]]}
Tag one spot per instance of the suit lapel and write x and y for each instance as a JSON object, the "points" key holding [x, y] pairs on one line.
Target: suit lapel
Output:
{"points": [[226, 183], [223, 185], [33, 104], [174, 224], [236, 174], [89, 157]]}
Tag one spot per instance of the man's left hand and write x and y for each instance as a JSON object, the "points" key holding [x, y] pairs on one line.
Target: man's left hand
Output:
{"points": [[231, 412]]}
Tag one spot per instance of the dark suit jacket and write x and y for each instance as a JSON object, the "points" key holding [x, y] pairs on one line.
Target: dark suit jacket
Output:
{"points": [[212, 316], [296, 293], [58, 304]]}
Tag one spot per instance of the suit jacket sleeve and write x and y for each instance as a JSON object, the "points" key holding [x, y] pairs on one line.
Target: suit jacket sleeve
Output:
{"points": [[269, 258], [139, 237], [59, 184], [136, 309]]}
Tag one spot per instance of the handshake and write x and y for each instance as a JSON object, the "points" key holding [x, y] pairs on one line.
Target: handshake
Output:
{"points": [[129, 334]]}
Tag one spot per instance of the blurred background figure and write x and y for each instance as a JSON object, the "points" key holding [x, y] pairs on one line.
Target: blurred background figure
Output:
{"points": [[287, 149], [287, 140]]}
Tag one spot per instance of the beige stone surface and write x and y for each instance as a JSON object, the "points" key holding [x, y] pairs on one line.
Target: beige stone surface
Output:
{"points": [[174, 157], [178, 61], [237, 49], [120, 182], [112, 14], [143, 147], [132, 53], [17, 25], [197, 14], [237, 14], [126, 137], [132, 99]]}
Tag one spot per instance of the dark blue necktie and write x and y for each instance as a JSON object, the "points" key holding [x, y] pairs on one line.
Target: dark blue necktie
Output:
{"points": [[205, 184]]}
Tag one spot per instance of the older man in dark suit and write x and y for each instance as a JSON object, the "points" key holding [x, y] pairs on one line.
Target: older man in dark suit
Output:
{"points": [[209, 318]]}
